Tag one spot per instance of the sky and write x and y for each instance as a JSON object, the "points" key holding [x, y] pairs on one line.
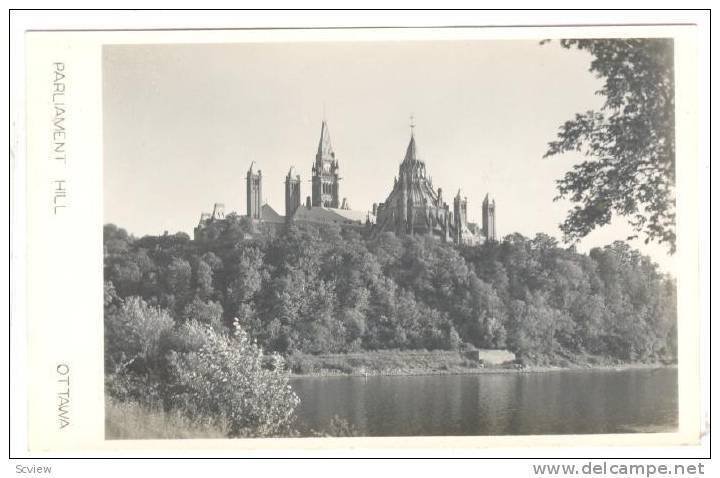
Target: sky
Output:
{"points": [[183, 122]]}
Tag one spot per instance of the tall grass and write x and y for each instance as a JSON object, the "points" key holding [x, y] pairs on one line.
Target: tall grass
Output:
{"points": [[132, 421]]}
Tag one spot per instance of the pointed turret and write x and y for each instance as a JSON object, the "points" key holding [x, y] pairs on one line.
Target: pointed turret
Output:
{"points": [[292, 174], [460, 215], [412, 167], [325, 173], [292, 191], [325, 149], [489, 218], [411, 152], [254, 192]]}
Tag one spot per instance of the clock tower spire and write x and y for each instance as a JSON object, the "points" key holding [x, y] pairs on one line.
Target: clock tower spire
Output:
{"points": [[325, 173]]}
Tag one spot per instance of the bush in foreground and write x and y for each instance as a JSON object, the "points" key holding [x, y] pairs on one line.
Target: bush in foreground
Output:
{"points": [[225, 378], [192, 374]]}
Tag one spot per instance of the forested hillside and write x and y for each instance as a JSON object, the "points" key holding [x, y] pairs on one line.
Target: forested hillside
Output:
{"points": [[326, 290]]}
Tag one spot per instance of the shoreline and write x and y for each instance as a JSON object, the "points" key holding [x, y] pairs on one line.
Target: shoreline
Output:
{"points": [[486, 370]]}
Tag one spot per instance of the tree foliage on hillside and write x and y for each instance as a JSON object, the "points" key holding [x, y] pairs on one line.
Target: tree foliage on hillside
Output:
{"points": [[630, 142], [326, 290]]}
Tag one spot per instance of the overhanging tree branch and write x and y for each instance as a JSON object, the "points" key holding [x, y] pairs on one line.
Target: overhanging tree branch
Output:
{"points": [[631, 142]]}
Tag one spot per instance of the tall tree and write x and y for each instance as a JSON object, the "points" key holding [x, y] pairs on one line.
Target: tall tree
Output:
{"points": [[630, 142]]}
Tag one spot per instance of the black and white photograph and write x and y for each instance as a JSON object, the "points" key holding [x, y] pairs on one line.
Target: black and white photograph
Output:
{"points": [[409, 238], [295, 242]]}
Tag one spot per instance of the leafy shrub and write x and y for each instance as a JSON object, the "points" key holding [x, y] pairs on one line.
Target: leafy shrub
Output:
{"points": [[206, 312], [225, 379], [135, 331], [134, 334]]}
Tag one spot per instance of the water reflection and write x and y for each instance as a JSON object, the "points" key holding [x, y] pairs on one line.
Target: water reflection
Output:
{"points": [[564, 402]]}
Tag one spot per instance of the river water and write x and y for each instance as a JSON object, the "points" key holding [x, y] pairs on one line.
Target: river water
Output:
{"points": [[556, 402]]}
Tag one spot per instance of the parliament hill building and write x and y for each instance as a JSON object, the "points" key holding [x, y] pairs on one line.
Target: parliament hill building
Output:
{"points": [[413, 206]]}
